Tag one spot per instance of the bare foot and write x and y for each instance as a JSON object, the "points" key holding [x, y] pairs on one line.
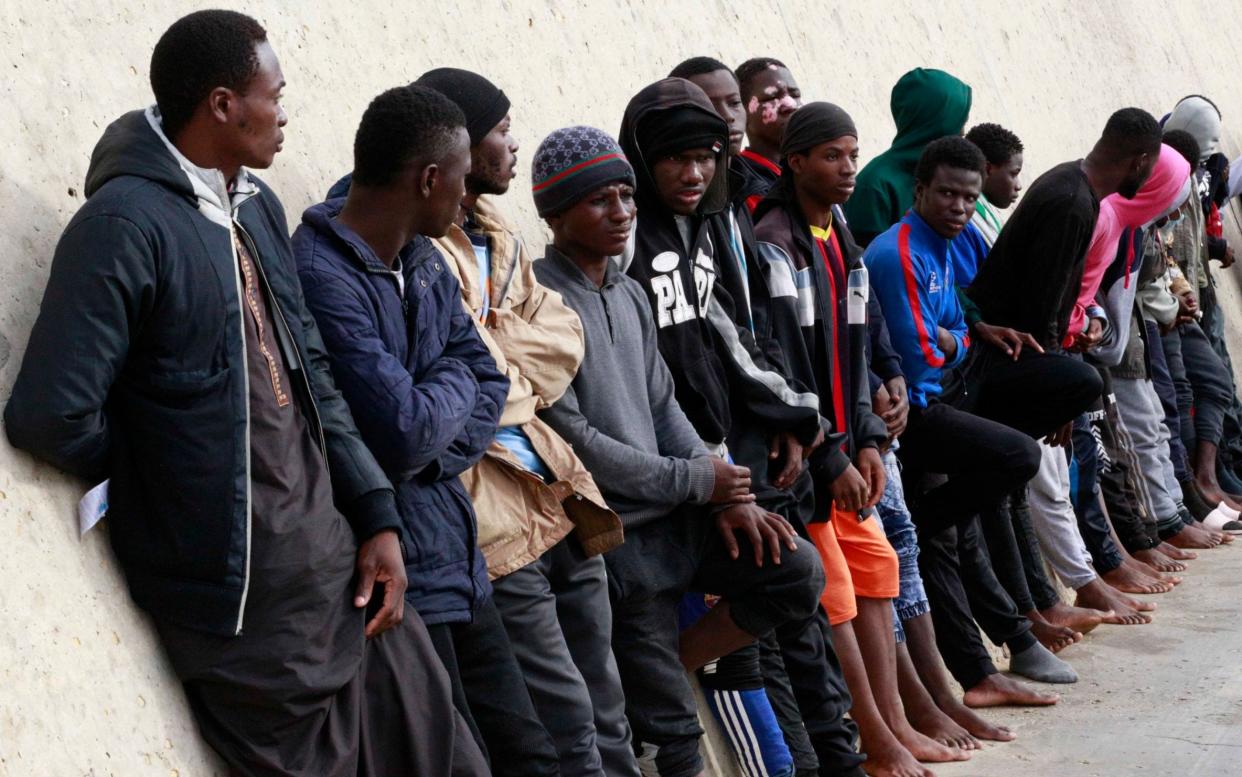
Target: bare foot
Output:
{"points": [[1224, 538], [931, 721], [997, 690], [1118, 609], [977, 725], [1176, 553], [1156, 560], [1079, 619], [926, 749], [1131, 581], [1193, 537], [1055, 638], [891, 759], [1134, 565]]}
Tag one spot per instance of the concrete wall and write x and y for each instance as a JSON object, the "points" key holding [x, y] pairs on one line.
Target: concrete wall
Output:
{"points": [[83, 688]]}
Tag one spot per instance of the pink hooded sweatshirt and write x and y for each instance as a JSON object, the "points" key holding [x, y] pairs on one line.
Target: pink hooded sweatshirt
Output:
{"points": [[1168, 187]]}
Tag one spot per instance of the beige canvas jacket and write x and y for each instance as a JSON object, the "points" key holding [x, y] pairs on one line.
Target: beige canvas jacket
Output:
{"points": [[538, 343]]}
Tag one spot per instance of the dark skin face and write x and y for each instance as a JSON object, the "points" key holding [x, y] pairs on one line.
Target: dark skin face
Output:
{"points": [[773, 98], [682, 179], [825, 174], [947, 201], [1001, 184], [423, 200], [595, 227], [721, 88], [440, 188], [1139, 170], [494, 161], [231, 129]]}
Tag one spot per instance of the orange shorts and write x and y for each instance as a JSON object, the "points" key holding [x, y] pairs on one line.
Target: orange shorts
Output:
{"points": [[858, 561]]}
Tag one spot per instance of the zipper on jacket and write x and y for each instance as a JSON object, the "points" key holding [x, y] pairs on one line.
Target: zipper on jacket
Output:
{"points": [[241, 320]]}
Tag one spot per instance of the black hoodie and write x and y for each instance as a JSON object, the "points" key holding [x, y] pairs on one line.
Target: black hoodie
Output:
{"points": [[136, 372], [724, 384]]}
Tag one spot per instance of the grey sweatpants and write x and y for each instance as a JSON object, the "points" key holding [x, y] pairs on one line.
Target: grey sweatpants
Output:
{"points": [[1056, 525], [1143, 417], [557, 612]]}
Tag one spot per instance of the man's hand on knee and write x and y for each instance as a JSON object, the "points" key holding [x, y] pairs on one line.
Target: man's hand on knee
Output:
{"points": [[760, 527]]}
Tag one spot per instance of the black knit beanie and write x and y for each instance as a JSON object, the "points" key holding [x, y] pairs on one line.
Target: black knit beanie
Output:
{"points": [[815, 123], [573, 162], [483, 103]]}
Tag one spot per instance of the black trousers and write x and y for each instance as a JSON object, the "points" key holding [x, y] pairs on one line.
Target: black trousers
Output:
{"points": [[489, 691], [822, 696], [1037, 394], [647, 578], [963, 589], [983, 461], [1014, 552]]}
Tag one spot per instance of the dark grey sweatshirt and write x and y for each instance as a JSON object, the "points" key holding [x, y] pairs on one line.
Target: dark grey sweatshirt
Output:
{"points": [[619, 413]]}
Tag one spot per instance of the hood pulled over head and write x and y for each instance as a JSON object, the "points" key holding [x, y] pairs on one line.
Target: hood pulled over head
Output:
{"points": [[668, 117]]}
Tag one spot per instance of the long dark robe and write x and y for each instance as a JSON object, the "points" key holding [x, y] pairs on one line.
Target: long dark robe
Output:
{"points": [[301, 691]]}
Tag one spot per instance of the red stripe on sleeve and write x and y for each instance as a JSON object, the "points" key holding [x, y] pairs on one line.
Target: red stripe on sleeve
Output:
{"points": [[912, 296]]}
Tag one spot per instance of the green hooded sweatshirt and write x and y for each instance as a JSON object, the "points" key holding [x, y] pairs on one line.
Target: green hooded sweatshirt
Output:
{"points": [[926, 105]]}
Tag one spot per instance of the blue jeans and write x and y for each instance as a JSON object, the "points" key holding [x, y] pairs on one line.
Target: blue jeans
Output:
{"points": [[911, 601]]}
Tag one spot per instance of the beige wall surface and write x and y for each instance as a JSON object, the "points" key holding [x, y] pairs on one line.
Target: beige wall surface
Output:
{"points": [[84, 689]]}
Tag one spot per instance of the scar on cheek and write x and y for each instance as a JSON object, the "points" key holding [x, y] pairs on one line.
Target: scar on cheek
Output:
{"points": [[753, 105], [770, 111]]}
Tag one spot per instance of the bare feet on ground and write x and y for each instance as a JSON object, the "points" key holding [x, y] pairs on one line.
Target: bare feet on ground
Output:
{"points": [[1158, 560], [1224, 537], [1132, 580], [892, 760], [1194, 537], [997, 690], [1134, 565], [1079, 619], [1176, 554], [925, 748], [1119, 609], [976, 724], [933, 722], [1055, 638]]}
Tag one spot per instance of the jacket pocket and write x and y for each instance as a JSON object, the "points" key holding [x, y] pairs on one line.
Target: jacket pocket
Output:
{"points": [[178, 487], [501, 503]]}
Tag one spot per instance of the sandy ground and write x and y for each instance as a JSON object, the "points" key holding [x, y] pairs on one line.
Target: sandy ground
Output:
{"points": [[1162, 699]]}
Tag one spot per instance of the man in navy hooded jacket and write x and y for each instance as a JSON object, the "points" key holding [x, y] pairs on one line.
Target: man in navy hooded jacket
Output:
{"points": [[423, 388]]}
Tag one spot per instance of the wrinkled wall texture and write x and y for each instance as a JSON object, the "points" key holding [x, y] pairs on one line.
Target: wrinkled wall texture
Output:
{"points": [[84, 689]]}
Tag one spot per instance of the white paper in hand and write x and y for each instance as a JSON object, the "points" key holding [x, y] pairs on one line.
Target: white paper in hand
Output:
{"points": [[92, 507]]}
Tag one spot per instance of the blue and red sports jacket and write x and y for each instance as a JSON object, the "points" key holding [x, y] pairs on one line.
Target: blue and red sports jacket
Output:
{"points": [[911, 270]]}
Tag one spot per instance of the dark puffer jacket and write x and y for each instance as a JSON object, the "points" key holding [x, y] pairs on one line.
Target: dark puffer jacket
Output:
{"points": [[423, 387]]}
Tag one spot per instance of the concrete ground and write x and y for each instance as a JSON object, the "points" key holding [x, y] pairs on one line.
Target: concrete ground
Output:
{"points": [[1162, 699]]}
